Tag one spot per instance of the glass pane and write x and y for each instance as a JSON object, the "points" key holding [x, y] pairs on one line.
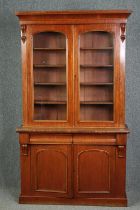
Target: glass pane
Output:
{"points": [[49, 68], [96, 76]]}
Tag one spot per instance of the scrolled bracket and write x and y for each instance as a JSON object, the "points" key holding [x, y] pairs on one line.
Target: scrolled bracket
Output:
{"points": [[121, 151], [122, 31], [23, 33], [24, 148]]}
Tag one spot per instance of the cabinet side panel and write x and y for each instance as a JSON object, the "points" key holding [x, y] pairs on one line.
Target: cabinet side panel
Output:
{"points": [[120, 184], [25, 164], [24, 59], [122, 35]]}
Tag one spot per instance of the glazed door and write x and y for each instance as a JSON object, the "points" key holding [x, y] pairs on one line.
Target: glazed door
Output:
{"points": [[96, 75], [50, 93]]}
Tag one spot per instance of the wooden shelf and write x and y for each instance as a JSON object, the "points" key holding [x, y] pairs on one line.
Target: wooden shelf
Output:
{"points": [[48, 66], [96, 66], [49, 49], [105, 48], [50, 83], [99, 83], [49, 102], [96, 102]]}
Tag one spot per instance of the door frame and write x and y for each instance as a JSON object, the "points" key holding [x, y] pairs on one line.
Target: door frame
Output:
{"points": [[28, 89], [111, 28]]}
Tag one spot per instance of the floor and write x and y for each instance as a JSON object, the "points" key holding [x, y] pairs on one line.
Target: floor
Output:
{"points": [[9, 201]]}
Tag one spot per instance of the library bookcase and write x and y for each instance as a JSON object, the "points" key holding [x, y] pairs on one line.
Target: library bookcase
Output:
{"points": [[73, 137]]}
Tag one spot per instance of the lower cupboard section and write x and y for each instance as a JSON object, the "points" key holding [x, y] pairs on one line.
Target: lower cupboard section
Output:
{"points": [[73, 171]]}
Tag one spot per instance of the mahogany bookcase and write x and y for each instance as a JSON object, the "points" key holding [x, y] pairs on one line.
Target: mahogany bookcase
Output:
{"points": [[73, 136]]}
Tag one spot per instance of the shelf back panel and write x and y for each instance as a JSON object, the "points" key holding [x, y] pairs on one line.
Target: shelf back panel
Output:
{"points": [[50, 76], [96, 76]]}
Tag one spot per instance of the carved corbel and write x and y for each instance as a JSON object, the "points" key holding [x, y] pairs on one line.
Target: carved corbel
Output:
{"points": [[24, 149], [122, 31], [121, 151], [23, 33]]}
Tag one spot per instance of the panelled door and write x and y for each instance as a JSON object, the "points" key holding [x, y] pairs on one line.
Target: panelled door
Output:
{"points": [[96, 75], [94, 170], [51, 170]]}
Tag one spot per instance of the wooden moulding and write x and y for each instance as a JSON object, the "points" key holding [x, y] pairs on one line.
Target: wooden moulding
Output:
{"points": [[76, 12], [71, 130], [78, 201], [73, 17]]}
